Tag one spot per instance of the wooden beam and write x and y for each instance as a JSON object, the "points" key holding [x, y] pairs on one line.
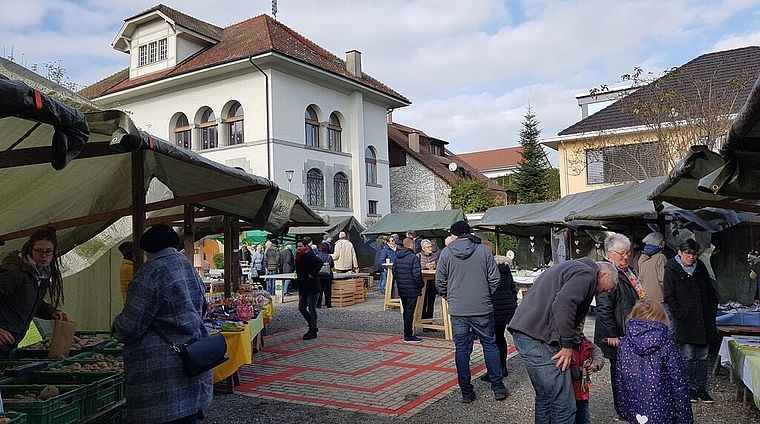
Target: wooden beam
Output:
{"points": [[118, 213], [41, 155], [138, 206], [189, 230], [227, 257]]}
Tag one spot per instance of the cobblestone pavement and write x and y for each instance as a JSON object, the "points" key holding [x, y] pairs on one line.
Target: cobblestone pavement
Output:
{"points": [[352, 370]]}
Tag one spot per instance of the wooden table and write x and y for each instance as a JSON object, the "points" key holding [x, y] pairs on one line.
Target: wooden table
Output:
{"points": [[240, 351], [443, 322], [390, 300]]}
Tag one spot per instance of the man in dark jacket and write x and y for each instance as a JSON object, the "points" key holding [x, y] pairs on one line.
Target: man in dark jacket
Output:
{"points": [[543, 331], [287, 265], [407, 275], [466, 275]]}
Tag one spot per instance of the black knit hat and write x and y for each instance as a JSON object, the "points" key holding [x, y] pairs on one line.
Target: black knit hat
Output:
{"points": [[459, 228], [158, 238]]}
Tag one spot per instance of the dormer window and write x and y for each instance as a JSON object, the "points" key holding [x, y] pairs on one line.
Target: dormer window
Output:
{"points": [[435, 149], [154, 51]]}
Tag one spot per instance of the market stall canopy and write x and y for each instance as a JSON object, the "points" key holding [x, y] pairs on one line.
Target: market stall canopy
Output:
{"points": [[729, 180], [426, 224], [365, 253], [501, 217], [83, 184]]}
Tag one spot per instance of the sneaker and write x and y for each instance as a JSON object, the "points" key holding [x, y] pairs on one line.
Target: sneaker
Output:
{"points": [[311, 334], [693, 396], [468, 399], [501, 395], [412, 339], [704, 396]]}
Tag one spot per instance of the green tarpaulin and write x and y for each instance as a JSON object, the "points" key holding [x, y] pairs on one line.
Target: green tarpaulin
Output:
{"points": [[426, 224]]}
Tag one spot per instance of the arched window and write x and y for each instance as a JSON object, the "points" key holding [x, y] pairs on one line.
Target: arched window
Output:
{"points": [[208, 129], [235, 125], [182, 132], [340, 187], [315, 188], [312, 127], [370, 161], [333, 133]]}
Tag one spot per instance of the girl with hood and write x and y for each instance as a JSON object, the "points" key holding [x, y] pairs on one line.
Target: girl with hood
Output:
{"points": [[651, 382]]}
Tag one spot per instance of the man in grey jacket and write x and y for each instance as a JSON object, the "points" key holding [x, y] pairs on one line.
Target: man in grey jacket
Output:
{"points": [[466, 275], [543, 330]]}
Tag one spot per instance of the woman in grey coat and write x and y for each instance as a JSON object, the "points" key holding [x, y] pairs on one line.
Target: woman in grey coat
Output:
{"points": [[167, 294]]}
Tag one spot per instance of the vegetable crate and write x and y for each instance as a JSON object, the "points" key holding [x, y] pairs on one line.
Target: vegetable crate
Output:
{"points": [[14, 417], [347, 292], [66, 408], [103, 389]]}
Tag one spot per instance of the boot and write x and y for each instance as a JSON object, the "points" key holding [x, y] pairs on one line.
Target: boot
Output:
{"points": [[311, 334]]}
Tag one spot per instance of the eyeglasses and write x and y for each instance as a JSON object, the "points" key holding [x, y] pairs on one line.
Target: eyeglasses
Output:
{"points": [[621, 254], [689, 253], [43, 252]]}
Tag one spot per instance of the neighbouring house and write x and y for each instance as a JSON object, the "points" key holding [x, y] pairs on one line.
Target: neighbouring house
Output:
{"points": [[259, 96], [496, 162], [651, 126], [423, 171]]}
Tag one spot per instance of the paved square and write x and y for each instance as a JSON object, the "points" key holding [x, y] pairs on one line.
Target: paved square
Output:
{"points": [[368, 372]]}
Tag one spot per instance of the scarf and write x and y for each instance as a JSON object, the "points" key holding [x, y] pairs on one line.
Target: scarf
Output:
{"points": [[651, 249], [301, 251], [635, 283], [40, 273], [689, 269]]}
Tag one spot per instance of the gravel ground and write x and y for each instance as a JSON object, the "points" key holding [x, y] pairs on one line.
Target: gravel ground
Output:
{"points": [[518, 408]]}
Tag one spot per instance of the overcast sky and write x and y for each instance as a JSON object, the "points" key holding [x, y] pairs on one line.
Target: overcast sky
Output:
{"points": [[470, 68]]}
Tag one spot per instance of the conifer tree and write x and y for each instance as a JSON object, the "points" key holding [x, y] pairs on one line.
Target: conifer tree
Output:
{"points": [[531, 176]]}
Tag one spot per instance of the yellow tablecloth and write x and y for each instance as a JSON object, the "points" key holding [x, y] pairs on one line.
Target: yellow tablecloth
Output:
{"points": [[238, 350], [745, 365], [752, 367]]}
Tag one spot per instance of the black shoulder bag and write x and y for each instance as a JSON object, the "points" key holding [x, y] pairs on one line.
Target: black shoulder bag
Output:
{"points": [[199, 356]]}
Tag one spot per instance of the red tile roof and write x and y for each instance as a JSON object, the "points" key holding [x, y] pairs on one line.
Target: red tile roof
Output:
{"points": [[398, 134], [493, 159], [255, 36]]}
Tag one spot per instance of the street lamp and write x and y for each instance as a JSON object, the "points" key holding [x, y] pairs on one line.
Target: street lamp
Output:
{"points": [[289, 174]]}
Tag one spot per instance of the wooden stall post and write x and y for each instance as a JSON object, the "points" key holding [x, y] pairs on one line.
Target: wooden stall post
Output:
{"points": [[138, 206]]}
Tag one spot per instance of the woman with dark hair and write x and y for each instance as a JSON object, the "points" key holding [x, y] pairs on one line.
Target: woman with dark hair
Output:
{"points": [[325, 282], [693, 301], [504, 301], [307, 270], [26, 277]]}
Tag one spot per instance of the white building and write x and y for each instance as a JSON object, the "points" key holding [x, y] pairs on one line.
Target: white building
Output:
{"points": [[259, 96]]}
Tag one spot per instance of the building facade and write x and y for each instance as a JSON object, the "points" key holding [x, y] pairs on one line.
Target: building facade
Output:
{"points": [[258, 96]]}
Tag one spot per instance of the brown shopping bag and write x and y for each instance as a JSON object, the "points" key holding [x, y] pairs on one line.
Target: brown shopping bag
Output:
{"points": [[63, 336]]}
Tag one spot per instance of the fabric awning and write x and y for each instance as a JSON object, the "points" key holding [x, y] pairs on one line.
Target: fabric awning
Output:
{"points": [[426, 224], [92, 189], [501, 218]]}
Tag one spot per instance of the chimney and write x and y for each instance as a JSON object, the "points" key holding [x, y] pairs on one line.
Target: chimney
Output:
{"points": [[354, 62], [414, 141]]}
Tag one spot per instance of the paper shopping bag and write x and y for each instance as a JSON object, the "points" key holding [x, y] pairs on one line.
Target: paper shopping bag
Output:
{"points": [[63, 335]]}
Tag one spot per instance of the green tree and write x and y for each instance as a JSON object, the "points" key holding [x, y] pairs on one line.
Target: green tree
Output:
{"points": [[531, 177], [471, 196]]}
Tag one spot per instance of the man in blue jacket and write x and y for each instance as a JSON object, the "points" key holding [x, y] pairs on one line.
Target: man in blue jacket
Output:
{"points": [[466, 276], [407, 274], [386, 253], [543, 331]]}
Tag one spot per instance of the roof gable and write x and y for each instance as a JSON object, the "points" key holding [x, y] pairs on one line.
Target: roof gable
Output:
{"points": [[719, 67], [508, 157], [398, 134], [255, 36]]}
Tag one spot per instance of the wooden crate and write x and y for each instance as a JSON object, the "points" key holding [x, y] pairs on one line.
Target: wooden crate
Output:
{"points": [[347, 292]]}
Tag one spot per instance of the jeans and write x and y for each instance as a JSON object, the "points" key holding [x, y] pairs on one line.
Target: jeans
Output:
{"points": [[613, 384], [286, 287], [409, 304], [270, 282], [465, 329], [695, 364], [582, 414], [190, 419], [326, 292], [383, 279], [309, 315], [555, 400], [428, 303], [501, 342]]}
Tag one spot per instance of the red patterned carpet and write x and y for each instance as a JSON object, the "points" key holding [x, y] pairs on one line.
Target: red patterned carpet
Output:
{"points": [[368, 372]]}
